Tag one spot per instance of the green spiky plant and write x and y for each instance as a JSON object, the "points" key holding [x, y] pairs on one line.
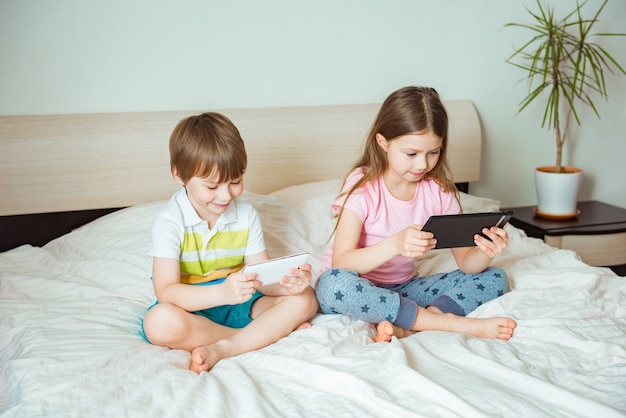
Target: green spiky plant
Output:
{"points": [[564, 63]]}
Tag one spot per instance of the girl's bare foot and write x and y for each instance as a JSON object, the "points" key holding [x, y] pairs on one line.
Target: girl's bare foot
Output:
{"points": [[385, 330], [498, 327], [432, 319]]}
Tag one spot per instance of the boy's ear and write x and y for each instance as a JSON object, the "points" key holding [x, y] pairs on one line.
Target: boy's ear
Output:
{"points": [[382, 141], [177, 177]]}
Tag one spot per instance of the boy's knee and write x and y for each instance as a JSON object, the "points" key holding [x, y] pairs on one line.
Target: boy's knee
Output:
{"points": [[161, 321], [311, 303]]}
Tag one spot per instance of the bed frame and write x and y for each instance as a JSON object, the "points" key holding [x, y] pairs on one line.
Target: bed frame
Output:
{"points": [[58, 172]]}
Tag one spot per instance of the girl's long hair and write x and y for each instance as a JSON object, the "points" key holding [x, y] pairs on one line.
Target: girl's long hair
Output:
{"points": [[407, 110]]}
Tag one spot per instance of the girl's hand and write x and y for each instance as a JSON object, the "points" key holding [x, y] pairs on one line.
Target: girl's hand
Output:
{"points": [[499, 240], [299, 280], [239, 287], [413, 242]]}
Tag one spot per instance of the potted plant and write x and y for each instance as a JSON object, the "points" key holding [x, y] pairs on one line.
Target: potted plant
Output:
{"points": [[564, 68]]}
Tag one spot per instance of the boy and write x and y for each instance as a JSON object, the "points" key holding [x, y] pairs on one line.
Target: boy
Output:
{"points": [[200, 241]]}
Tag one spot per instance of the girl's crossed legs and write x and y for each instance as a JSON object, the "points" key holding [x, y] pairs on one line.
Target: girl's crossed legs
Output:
{"points": [[438, 302]]}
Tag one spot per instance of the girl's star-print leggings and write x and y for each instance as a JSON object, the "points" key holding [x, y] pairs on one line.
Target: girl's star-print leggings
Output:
{"points": [[345, 292]]}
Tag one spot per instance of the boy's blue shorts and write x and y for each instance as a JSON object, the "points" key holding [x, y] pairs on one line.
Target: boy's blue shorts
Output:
{"points": [[233, 316]]}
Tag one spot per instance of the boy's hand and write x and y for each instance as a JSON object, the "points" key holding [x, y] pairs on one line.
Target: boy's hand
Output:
{"points": [[299, 280], [239, 287]]}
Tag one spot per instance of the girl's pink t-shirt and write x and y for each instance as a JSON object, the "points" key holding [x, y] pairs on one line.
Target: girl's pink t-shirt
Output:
{"points": [[383, 215]]}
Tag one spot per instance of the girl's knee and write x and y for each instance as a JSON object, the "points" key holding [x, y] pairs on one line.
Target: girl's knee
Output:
{"points": [[323, 284], [335, 276], [324, 288], [331, 281], [499, 277]]}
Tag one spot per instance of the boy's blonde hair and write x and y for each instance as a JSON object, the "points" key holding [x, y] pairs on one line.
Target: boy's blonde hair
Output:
{"points": [[205, 144]]}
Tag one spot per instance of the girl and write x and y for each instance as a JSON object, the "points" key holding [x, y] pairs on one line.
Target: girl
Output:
{"points": [[400, 180]]}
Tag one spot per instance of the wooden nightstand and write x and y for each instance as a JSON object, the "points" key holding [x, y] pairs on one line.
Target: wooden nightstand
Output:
{"points": [[597, 234]]}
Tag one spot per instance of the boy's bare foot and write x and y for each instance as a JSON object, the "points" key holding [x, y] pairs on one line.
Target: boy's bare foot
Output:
{"points": [[305, 325], [204, 358], [385, 330]]}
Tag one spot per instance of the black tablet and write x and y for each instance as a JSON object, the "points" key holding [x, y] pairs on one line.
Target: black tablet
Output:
{"points": [[458, 230]]}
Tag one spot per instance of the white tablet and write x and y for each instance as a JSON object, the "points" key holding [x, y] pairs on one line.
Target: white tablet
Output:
{"points": [[271, 271]]}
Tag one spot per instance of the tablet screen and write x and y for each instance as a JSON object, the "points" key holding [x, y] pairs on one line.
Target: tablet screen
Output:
{"points": [[453, 231], [271, 271]]}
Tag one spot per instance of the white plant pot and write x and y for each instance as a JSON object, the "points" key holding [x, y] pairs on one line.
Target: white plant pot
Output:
{"points": [[557, 193]]}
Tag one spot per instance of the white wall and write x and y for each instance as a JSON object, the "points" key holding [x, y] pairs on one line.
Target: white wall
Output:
{"points": [[75, 56]]}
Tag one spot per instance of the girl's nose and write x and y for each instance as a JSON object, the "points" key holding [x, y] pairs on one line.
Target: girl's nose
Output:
{"points": [[420, 163]]}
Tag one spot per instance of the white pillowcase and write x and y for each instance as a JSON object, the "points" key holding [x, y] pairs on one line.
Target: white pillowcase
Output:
{"points": [[475, 204], [310, 197], [313, 201], [295, 219]]}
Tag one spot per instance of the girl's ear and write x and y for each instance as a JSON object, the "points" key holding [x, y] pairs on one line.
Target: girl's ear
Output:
{"points": [[382, 141], [177, 177]]}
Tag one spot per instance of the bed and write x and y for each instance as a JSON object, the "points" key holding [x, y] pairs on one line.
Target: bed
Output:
{"points": [[71, 309]]}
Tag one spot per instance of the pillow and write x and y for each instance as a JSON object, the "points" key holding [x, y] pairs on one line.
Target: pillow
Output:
{"points": [[313, 196], [474, 204], [302, 195], [284, 228], [313, 201]]}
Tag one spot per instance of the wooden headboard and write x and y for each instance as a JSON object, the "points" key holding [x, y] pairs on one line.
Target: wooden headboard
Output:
{"points": [[77, 162]]}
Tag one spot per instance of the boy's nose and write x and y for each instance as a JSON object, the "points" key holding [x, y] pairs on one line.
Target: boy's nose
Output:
{"points": [[224, 194]]}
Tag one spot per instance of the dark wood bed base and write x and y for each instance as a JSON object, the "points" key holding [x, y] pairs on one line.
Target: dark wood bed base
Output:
{"points": [[40, 228]]}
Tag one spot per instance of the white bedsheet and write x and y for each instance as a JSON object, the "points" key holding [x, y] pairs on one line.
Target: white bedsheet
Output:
{"points": [[71, 313]]}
